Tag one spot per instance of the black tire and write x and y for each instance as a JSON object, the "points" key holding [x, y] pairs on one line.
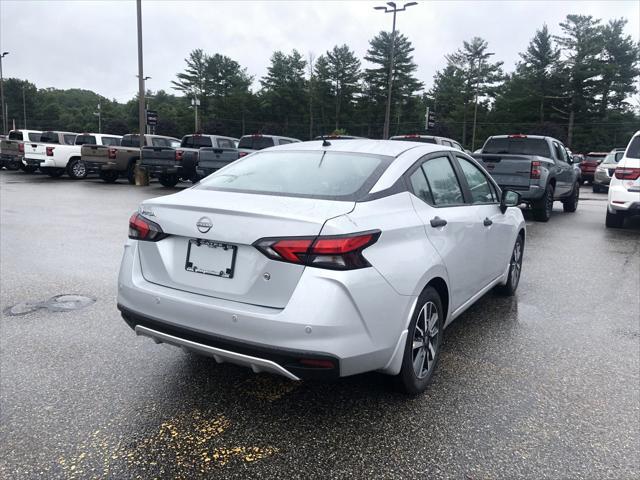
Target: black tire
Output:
{"points": [[515, 269], [109, 176], [416, 355], [29, 168], [614, 220], [542, 208], [168, 179], [570, 205], [131, 172], [13, 165], [53, 172], [76, 169]]}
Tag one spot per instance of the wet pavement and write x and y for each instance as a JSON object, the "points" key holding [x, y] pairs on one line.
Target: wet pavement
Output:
{"points": [[542, 385]]}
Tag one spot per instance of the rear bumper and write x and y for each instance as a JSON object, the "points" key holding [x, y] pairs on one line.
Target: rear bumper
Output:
{"points": [[601, 178], [528, 194], [622, 200], [186, 170], [359, 323]]}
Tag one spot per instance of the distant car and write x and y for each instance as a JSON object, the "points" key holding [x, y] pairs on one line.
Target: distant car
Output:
{"points": [[313, 261], [252, 143], [446, 142], [624, 190], [604, 171], [12, 148], [589, 164]]}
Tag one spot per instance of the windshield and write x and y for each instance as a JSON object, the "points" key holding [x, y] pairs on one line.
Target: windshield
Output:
{"points": [[315, 174], [255, 142], [518, 146], [633, 150]]}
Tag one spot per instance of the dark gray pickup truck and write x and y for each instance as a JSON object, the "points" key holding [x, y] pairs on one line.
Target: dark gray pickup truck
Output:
{"points": [[536, 167], [197, 157]]}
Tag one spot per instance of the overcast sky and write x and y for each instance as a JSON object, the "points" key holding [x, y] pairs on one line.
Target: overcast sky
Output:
{"points": [[92, 44]]}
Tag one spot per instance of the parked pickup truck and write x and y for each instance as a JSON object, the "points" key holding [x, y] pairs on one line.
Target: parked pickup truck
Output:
{"points": [[536, 167], [112, 162], [196, 157], [53, 153], [252, 143], [13, 148]]}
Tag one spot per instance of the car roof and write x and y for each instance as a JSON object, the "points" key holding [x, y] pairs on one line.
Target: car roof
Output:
{"points": [[375, 147]]}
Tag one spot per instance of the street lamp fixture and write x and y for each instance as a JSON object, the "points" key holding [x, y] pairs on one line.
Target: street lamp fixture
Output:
{"points": [[391, 8]]}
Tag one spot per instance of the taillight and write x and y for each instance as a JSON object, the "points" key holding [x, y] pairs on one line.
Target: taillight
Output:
{"points": [[111, 153], [179, 154], [535, 169], [21, 147], [50, 151], [623, 173], [141, 228], [242, 154], [343, 252]]}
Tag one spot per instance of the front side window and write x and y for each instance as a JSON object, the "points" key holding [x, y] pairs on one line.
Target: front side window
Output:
{"points": [[481, 191], [111, 141], [49, 137], [312, 174], [443, 182], [85, 140]]}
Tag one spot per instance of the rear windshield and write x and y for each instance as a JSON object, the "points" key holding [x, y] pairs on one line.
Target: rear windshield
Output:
{"points": [[130, 141], [316, 174], [196, 141], [633, 150], [34, 137], [518, 146], [164, 142], [13, 135], [49, 137], [85, 139], [613, 157], [110, 141], [256, 143], [594, 158], [416, 139]]}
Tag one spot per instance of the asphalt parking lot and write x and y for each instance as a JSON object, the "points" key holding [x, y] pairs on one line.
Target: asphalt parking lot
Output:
{"points": [[542, 385]]}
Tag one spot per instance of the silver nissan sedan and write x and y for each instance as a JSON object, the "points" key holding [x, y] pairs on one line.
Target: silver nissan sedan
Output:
{"points": [[323, 260]]}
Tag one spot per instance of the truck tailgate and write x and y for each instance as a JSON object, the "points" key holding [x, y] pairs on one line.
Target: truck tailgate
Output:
{"points": [[94, 153], [508, 170], [214, 158]]}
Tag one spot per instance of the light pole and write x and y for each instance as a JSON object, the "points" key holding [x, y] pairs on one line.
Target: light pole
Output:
{"points": [[142, 177], [99, 115], [146, 105], [4, 110], [195, 103], [24, 108], [393, 9]]}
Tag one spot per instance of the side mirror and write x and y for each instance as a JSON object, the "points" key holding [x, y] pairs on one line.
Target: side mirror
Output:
{"points": [[509, 199]]}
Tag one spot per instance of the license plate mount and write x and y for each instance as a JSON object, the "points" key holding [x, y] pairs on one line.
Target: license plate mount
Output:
{"points": [[209, 257]]}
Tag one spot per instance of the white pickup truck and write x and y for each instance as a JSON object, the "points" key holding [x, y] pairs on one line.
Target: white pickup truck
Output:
{"points": [[60, 152], [12, 149]]}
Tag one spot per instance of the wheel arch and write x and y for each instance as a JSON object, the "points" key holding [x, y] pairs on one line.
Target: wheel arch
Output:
{"points": [[440, 285]]}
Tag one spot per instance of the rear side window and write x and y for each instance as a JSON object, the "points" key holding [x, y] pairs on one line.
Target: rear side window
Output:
{"points": [[69, 138], [13, 135], [481, 191], [34, 137], [420, 186], [85, 139], [633, 150], [49, 137], [518, 146], [130, 141], [225, 143], [256, 142], [196, 141], [443, 182], [312, 174], [110, 141]]}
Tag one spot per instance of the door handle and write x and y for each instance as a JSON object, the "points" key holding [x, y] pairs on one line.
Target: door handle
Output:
{"points": [[487, 222], [438, 222]]}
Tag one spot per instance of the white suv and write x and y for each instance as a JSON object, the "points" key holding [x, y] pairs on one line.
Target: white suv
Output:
{"points": [[624, 189]]}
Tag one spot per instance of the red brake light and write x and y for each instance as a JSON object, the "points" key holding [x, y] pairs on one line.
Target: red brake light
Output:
{"points": [[535, 169], [111, 153], [623, 173], [21, 147], [343, 252], [50, 151], [242, 154], [141, 228], [518, 135], [316, 363], [256, 135], [179, 154]]}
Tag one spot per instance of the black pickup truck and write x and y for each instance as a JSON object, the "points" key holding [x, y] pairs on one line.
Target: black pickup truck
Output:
{"points": [[195, 158], [538, 168]]}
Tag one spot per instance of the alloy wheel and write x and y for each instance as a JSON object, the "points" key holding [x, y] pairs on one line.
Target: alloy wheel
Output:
{"points": [[515, 266], [425, 340], [78, 169]]}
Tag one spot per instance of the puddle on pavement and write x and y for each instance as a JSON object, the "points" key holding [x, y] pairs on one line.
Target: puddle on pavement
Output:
{"points": [[58, 303]]}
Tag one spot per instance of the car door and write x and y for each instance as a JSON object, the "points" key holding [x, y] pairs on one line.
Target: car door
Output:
{"points": [[485, 201], [451, 225], [564, 176]]}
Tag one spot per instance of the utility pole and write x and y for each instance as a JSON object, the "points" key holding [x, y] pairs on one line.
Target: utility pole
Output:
{"points": [[195, 102], [2, 107], [142, 177], [24, 108], [99, 115], [394, 9]]}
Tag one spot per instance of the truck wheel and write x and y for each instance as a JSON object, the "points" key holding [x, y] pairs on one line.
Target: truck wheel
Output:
{"points": [[131, 172], [109, 176], [542, 208], [571, 203], [13, 165], [29, 168], [53, 172], [614, 220], [168, 179], [77, 169]]}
